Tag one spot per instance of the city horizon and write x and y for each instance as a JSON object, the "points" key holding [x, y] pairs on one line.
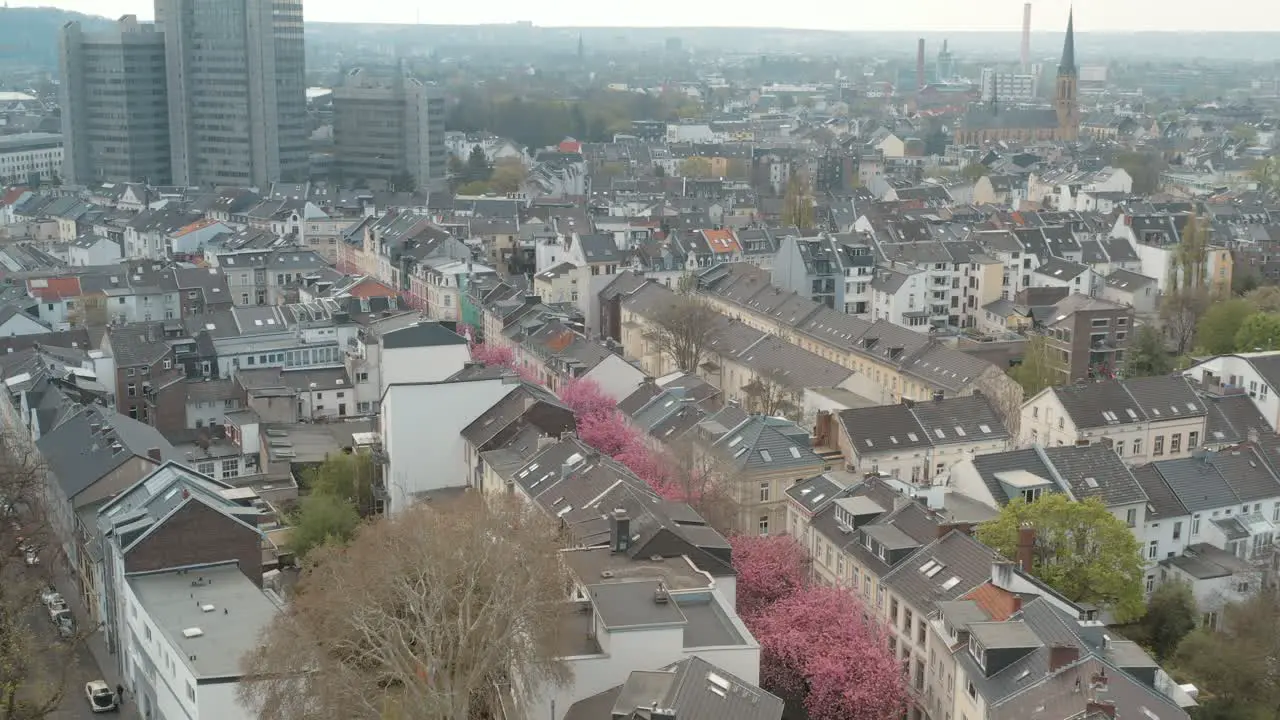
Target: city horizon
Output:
{"points": [[1048, 16]]}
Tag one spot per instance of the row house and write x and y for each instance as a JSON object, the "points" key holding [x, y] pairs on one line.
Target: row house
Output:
{"points": [[149, 380], [1156, 238], [919, 441], [1255, 375], [149, 236], [268, 277], [1087, 336], [1140, 419], [889, 362], [830, 270]]}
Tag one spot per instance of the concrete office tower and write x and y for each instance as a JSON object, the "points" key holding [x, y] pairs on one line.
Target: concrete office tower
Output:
{"points": [[388, 126], [237, 91], [115, 115], [1026, 38]]}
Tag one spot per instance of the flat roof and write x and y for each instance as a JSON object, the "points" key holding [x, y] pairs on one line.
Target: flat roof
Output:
{"points": [[590, 566], [210, 643], [708, 626], [633, 604], [1021, 479]]}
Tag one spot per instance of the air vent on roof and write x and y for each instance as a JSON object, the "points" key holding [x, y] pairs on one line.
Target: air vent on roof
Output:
{"points": [[192, 632], [207, 607]]}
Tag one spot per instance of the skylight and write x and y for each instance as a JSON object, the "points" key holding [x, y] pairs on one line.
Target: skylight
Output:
{"points": [[735, 441], [795, 452], [925, 568], [960, 431], [913, 437], [765, 456], [1091, 482], [893, 439], [954, 581], [936, 569], [986, 429], [941, 435]]}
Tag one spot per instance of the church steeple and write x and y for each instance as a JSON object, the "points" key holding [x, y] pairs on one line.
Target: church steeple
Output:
{"points": [[1066, 102], [1068, 64]]}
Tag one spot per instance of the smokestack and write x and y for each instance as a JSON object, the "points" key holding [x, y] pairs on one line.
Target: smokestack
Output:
{"points": [[920, 64], [1026, 38], [1026, 547]]}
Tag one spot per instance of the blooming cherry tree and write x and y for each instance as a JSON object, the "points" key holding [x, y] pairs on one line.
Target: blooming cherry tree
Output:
{"points": [[770, 568]]}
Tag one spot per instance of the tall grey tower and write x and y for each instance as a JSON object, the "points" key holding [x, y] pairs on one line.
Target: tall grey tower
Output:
{"points": [[115, 116], [237, 90], [388, 127]]}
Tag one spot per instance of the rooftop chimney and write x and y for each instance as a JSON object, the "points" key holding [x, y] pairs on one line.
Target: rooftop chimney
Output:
{"points": [[154, 454], [920, 64], [620, 531], [1061, 656], [1104, 707], [1026, 547], [1026, 38]]}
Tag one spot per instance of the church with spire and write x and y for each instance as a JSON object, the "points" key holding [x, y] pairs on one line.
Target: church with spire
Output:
{"points": [[989, 122]]}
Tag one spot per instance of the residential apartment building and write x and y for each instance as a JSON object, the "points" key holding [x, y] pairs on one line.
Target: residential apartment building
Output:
{"points": [[1253, 374], [1140, 419], [918, 441], [389, 128], [179, 670], [1087, 337], [237, 107], [115, 107]]}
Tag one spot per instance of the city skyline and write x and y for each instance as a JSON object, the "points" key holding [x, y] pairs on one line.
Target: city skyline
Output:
{"points": [[904, 15]]}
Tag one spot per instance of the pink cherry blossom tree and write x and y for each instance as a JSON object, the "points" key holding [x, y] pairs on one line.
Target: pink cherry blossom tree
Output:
{"points": [[770, 568], [815, 644], [493, 355], [610, 433], [586, 399]]}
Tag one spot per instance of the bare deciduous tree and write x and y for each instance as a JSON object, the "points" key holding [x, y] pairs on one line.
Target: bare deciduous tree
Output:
{"points": [[704, 480], [683, 330], [421, 616], [1006, 397], [768, 394], [1180, 313], [33, 673]]}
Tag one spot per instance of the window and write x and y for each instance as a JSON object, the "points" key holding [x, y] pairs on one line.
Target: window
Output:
{"points": [[1195, 525], [1157, 447], [1031, 495], [1035, 412], [1193, 440], [1151, 583], [920, 632], [906, 620], [133, 390], [764, 491], [231, 468], [1152, 548], [1177, 530], [764, 525], [1175, 443], [1062, 423], [132, 372], [1137, 447], [1275, 513], [1209, 620], [168, 364], [191, 692], [973, 692], [205, 468], [1131, 517], [893, 610]]}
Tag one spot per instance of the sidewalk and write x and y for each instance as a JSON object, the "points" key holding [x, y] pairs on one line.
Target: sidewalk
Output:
{"points": [[95, 640]]}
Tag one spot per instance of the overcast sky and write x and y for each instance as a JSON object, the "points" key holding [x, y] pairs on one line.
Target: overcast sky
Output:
{"points": [[907, 15]]}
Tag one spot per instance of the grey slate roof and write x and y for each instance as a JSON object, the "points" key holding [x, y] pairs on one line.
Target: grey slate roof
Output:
{"points": [[79, 457], [1121, 402], [693, 689], [767, 444], [1162, 502], [966, 563], [1197, 484], [1112, 481], [424, 334], [889, 428]]}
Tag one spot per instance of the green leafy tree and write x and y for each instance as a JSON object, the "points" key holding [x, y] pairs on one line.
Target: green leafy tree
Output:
{"points": [[478, 168], [1189, 266], [1267, 174], [1143, 167], [455, 166], [696, 167], [322, 519], [1171, 615], [1216, 332], [1265, 299], [508, 176], [797, 203], [973, 171], [1081, 550], [349, 476], [1235, 664], [1146, 356], [1259, 331], [1038, 369]]}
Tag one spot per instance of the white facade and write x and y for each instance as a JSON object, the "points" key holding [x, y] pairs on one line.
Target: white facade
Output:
{"points": [[28, 155], [421, 433], [94, 251], [908, 298], [22, 324], [616, 377], [1046, 422], [1238, 371], [433, 363]]}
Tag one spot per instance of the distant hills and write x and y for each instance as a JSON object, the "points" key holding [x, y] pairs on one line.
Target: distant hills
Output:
{"points": [[29, 36]]}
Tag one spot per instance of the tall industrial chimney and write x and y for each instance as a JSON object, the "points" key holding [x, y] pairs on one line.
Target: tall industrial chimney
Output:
{"points": [[920, 64], [1026, 38]]}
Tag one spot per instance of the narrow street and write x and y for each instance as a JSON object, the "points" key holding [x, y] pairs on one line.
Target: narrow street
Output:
{"points": [[82, 665]]}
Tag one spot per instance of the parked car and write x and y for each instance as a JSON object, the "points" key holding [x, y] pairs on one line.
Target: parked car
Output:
{"points": [[101, 698], [58, 610], [48, 594], [66, 627], [32, 557]]}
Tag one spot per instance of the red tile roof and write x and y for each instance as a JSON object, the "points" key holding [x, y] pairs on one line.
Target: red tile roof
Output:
{"points": [[370, 288], [12, 196], [721, 241], [997, 602], [51, 289]]}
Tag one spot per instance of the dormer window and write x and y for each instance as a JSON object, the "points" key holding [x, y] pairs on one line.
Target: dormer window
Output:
{"points": [[978, 652]]}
